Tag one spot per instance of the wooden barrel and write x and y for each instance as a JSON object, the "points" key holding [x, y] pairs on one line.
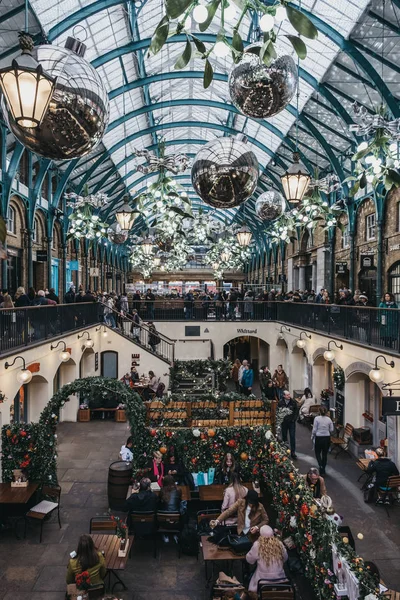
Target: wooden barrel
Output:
{"points": [[119, 480]]}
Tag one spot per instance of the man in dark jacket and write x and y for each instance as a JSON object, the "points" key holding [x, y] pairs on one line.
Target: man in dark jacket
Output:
{"points": [[88, 297], [53, 296], [69, 297], [383, 468], [143, 500], [150, 300], [289, 421]]}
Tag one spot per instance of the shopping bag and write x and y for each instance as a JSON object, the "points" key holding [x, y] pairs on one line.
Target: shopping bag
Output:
{"points": [[211, 474]]}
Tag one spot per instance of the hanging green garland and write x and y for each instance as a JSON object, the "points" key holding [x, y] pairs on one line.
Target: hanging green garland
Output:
{"points": [[338, 378], [190, 369]]}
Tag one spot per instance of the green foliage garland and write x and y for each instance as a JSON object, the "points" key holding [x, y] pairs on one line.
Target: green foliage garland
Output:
{"points": [[338, 378], [184, 369], [301, 518], [33, 445]]}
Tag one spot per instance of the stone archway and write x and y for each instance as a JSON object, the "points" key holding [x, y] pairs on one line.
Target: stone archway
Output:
{"points": [[249, 347]]}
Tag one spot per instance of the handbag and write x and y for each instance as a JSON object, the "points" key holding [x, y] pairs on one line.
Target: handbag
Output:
{"points": [[240, 544], [220, 536]]}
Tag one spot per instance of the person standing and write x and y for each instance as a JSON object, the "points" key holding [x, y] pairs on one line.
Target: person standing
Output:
{"points": [[280, 380], [265, 376], [388, 320], [289, 421], [241, 371], [247, 380], [235, 374], [188, 305], [321, 437], [150, 300]]}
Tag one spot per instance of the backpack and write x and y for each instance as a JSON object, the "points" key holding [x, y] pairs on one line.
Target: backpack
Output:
{"points": [[189, 541], [160, 390]]}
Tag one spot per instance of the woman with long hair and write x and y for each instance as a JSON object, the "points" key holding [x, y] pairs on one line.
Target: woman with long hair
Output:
{"points": [[227, 466], [234, 492], [308, 399], [270, 555], [251, 515], [87, 559], [235, 374]]}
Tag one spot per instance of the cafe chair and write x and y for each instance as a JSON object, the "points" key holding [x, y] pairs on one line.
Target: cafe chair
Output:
{"points": [[342, 442], [41, 512], [313, 412], [143, 525], [103, 524], [390, 493], [268, 590], [169, 523]]}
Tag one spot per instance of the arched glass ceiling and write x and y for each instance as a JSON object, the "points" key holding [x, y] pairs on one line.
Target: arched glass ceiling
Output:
{"points": [[347, 62]]}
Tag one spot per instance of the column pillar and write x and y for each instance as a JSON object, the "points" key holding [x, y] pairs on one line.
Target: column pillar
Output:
{"points": [[302, 277], [352, 238], [379, 261], [64, 270], [49, 246], [314, 275], [4, 270], [29, 233]]}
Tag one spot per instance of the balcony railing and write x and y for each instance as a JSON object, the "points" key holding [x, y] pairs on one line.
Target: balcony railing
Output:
{"points": [[377, 327]]}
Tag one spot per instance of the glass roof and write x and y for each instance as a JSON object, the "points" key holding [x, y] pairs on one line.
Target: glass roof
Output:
{"points": [[356, 42]]}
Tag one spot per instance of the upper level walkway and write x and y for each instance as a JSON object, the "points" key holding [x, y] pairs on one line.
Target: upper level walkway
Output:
{"points": [[374, 327]]}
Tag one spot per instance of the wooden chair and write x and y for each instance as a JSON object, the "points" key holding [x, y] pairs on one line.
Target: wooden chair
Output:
{"points": [[169, 523], [209, 514], [102, 524], [388, 494], [211, 493], [312, 413], [268, 590], [142, 525], [342, 442], [42, 511]]}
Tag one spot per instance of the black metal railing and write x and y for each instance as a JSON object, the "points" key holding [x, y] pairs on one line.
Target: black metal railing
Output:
{"points": [[25, 326], [378, 327], [141, 334]]}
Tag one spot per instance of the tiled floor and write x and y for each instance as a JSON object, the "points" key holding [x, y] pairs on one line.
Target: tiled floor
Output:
{"points": [[33, 571]]}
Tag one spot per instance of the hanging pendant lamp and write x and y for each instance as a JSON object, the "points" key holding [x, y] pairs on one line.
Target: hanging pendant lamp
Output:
{"points": [[125, 215], [26, 86], [244, 236], [295, 181]]}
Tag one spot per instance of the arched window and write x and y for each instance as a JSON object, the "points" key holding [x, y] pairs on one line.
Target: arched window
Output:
{"points": [[394, 281], [11, 220], [109, 364]]}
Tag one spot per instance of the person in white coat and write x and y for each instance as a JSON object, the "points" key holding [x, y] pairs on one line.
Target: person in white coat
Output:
{"points": [[270, 555], [308, 399], [235, 491]]}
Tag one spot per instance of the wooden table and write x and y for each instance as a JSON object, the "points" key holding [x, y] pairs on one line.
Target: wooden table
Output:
{"points": [[139, 388], [109, 545], [362, 464], [19, 495], [185, 492], [215, 491], [211, 553], [392, 595]]}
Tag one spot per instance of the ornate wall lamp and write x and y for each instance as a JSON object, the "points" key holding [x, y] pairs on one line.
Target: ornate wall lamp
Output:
{"points": [[375, 374], [282, 329], [24, 375], [64, 354], [103, 329], [89, 343], [329, 354], [302, 343]]}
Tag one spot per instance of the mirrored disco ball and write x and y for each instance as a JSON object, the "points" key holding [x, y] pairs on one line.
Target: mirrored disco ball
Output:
{"points": [[270, 205], [78, 112], [116, 234], [225, 172], [259, 91]]}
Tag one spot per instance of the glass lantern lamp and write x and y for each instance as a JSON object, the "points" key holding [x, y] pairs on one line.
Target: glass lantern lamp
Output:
{"points": [[125, 215], [295, 181], [244, 236]]}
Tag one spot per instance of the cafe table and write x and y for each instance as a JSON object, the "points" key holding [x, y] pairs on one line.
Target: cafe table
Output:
{"points": [[16, 495], [108, 545], [212, 554]]}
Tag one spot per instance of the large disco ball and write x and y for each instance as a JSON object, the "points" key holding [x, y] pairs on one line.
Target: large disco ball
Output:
{"points": [[116, 234], [225, 172], [270, 205], [78, 112], [259, 91]]}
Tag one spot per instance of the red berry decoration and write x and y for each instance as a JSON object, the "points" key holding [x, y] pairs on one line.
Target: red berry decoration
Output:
{"points": [[232, 444], [23, 433], [194, 461], [249, 442], [304, 510], [153, 432], [169, 434]]}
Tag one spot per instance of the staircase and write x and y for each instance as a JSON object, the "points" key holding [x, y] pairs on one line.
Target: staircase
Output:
{"points": [[195, 385], [143, 337]]}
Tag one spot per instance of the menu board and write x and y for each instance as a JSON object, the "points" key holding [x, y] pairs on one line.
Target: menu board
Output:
{"points": [[339, 408]]}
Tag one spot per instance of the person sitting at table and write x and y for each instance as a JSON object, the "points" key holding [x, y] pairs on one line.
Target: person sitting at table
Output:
{"points": [[152, 386], [87, 559], [270, 555], [383, 468], [143, 499], [251, 515], [156, 468], [315, 482], [174, 468], [134, 375], [126, 450], [228, 465], [170, 500], [234, 492], [126, 379]]}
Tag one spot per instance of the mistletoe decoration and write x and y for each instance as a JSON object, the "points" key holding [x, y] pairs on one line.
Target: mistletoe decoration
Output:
{"points": [[174, 22], [85, 221], [226, 255], [338, 378], [176, 163], [377, 159]]}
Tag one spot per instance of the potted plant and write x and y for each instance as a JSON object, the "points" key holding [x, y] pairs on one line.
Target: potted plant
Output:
{"points": [[121, 531], [120, 415], [83, 413]]}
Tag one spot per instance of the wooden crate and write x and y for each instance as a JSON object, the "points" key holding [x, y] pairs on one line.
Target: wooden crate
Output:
{"points": [[120, 415], [84, 415]]}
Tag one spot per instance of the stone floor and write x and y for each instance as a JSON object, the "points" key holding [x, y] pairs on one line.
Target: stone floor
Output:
{"points": [[33, 571]]}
